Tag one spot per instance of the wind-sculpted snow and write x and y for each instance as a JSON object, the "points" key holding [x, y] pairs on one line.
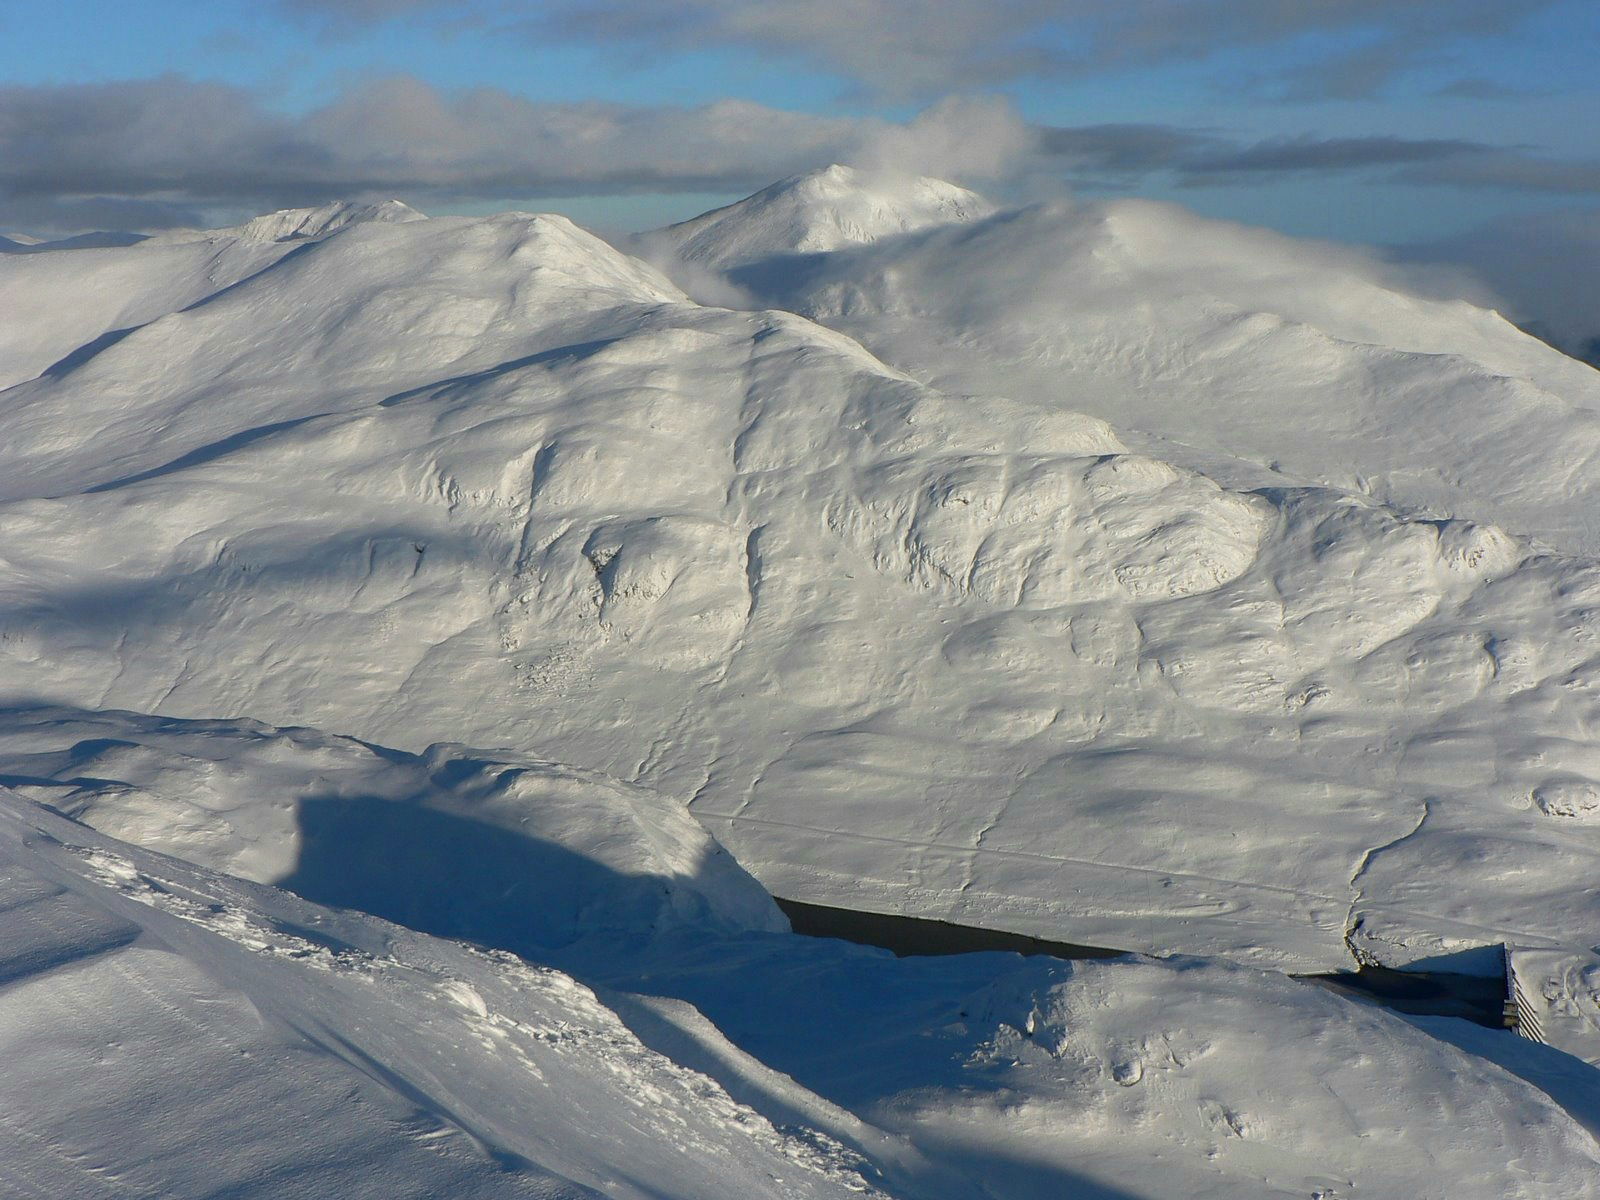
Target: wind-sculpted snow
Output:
{"points": [[968, 656]]}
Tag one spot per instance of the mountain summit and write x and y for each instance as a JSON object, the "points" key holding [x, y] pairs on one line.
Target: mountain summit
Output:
{"points": [[819, 211], [302, 224]]}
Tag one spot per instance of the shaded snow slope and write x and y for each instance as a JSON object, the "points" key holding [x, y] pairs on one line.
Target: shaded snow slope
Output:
{"points": [[821, 210], [961, 656], [454, 841], [169, 1031], [19, 244], [1123, 1079], [1239, 351]]}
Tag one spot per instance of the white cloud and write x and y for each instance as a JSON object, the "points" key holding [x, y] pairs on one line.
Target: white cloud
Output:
{"points": [[979, 137]]}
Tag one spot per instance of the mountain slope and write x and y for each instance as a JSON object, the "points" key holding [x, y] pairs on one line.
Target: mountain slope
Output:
{"points": [[1261, 359], [950, 653], [172, 1030], [490, 481], [81, 241], [301, 224], [175, 1032], [56, 303], [342, 822]]}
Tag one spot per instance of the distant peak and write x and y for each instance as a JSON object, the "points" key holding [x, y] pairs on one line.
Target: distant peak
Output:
{"points": [[296, 224], [836, 173], [823, 210], [22, 244]]}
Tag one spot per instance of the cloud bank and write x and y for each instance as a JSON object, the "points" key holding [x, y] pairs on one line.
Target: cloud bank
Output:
{"points": [[71, 150], [936, 46], [132, 155]]}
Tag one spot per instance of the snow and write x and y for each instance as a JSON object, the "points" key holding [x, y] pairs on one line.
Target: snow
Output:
{"points": [[1258, 358], [491, 481], [56, 304], [822, 210], [190, 1034], [301, 224], [170, 1029], [17, 243], [1162, 586], [451, 841], [1557, 995]]}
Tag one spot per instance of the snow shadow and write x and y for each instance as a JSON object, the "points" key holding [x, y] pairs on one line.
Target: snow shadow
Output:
{"points": [[204, 454], [800, 1004], [852, 1024], [87, 351], [454, 877], [1566, 1079], [575, 351]]}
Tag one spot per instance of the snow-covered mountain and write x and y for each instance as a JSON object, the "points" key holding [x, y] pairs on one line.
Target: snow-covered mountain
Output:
{"points": [[1258, 358], [1118, 607], [56, 304], [302, 224], [168, 1029], [491, 481], [22, 244], [822, 210], [523, 853]]}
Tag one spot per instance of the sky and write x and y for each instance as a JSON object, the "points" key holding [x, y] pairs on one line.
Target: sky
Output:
{"points": [[1413, 123]]}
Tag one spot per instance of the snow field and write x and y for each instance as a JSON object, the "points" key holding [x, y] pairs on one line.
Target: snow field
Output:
{"points": [[1103, 574]]}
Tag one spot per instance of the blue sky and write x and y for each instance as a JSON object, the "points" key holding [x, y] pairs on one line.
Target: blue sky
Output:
{"points": [[1398, 122]]}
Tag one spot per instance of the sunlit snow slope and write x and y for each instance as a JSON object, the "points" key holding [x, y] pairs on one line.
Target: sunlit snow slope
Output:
{"points": [[170, 1030], [1257, 357], [491, 481], [56, 304]]}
